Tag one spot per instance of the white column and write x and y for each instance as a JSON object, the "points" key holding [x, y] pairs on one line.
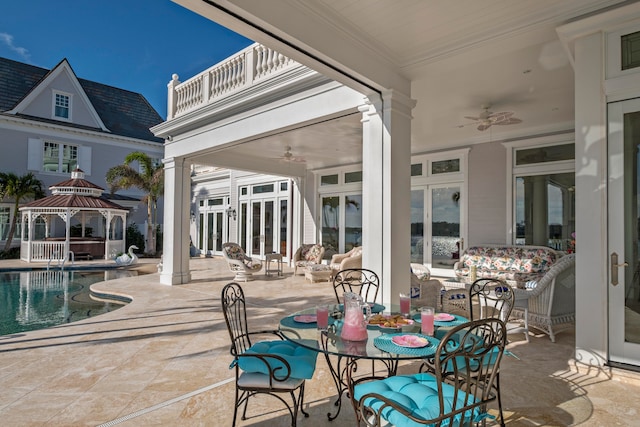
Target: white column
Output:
{"points": [[591, 203], [386, 191], [177, 194]]}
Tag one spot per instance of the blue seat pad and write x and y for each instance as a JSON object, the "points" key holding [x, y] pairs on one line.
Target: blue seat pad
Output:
{"points": [[417, 393], [302, 360]]}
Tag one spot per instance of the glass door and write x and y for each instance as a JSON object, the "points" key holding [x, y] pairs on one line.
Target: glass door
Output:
{"points": [[211, 232], [436, 224], [623, 218], [331, 223], [337, 210], [262, 231], [444, 229]]}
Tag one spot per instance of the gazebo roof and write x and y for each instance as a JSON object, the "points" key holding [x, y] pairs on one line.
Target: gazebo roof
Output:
{"points": [[73, 201], [76, 182], [76, 192]]}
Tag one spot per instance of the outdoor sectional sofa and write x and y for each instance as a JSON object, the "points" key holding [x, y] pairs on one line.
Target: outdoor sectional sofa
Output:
{"points": [[507, 262]]}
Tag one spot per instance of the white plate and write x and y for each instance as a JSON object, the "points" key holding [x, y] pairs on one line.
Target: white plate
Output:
{"points": [[306, 318], [410, 341]]}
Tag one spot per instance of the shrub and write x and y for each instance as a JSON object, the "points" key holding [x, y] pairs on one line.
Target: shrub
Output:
{"points": [[134, 237], [13, 253]]}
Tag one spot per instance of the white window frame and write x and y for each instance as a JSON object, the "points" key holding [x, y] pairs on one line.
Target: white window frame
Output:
{"points": [[61, 150], [513, 171], [69, 98]]}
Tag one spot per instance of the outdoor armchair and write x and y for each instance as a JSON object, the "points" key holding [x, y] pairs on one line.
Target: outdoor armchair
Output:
{"points": [[239, 263], [549, 304], [307, 255], [351, 259]]}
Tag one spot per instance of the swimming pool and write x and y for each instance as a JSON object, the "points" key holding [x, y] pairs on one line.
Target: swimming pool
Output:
{"points": [[39, 299]]}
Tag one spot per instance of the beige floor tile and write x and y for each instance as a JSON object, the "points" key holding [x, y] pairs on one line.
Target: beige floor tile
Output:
{"points": [[155, 362]]}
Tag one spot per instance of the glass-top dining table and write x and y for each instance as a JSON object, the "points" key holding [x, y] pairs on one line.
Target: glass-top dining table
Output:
{"points": [[388, 346]]}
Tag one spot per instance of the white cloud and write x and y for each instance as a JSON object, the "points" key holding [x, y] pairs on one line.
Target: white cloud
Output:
{"points": [[7, 39]]}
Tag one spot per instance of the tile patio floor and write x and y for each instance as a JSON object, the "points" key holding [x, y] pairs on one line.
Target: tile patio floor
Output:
{"points": [[163, 360]]}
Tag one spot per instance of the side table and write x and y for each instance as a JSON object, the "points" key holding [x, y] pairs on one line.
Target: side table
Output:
{"points": [[273, 257]]}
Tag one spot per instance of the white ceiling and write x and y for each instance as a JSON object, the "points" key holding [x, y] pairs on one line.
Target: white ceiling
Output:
{"points": [[458, 55]]}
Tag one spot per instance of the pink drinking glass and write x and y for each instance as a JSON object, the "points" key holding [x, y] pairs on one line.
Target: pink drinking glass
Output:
{"points": [[427, 317], [322, 317], [405, 304]]}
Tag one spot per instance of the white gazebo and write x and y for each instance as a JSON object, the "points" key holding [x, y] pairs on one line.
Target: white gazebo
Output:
{"points": [[75, 221]]}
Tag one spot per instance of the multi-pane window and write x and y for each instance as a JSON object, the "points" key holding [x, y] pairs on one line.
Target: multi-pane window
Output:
{"points": [[5, 216], [544, 204], [61, 158], [61, 106]]}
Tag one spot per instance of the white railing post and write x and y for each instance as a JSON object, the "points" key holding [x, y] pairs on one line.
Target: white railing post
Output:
{"points": [[172, 97], [249, 66]]}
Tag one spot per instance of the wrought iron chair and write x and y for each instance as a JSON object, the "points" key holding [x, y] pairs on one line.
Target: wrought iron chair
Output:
{"points": [[492, 298], [266, 367], [357, 280], [466, 365], [485, 299], [239, 263]]}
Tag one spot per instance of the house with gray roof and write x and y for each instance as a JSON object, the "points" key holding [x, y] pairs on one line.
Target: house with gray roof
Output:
{"points": [[52, 122]]}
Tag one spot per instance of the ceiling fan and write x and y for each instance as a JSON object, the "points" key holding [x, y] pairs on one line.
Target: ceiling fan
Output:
{"points": [[487, 118], [289, 157]]}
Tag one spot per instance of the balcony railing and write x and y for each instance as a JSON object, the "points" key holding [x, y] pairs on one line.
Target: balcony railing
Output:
{"points": [[248, 67]]}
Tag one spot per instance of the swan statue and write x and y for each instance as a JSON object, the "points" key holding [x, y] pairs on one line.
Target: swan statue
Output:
{"points": [[128, 258]]}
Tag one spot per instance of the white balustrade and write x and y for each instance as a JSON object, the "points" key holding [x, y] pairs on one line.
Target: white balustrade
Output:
{"points": [[46, 251], [249, 66]]}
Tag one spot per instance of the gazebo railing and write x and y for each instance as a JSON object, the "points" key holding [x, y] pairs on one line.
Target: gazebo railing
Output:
{"points": [[46, 251]]}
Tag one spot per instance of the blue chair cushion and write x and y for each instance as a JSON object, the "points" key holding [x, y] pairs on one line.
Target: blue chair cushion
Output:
{"points": [[302, 360], [418, 394]]}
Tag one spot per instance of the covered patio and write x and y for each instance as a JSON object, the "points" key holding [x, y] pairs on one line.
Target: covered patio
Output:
{"points": [[400, 95], [164, 360]]}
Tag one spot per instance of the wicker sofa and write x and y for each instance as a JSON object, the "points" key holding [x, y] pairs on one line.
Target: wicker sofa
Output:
{"points": [[507, 262]]}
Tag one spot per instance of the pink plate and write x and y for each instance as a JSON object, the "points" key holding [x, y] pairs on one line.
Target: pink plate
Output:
{"points": [[412, 341], [444, 317], [306, 318]]}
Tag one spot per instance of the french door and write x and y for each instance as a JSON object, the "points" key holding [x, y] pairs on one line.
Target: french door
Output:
{"points": [[212, 228], [264, 226], [623, 218], [436, 227], [341, 219]]}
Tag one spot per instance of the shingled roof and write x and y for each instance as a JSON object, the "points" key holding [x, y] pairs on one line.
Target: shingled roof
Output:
{"points": [[123, 112]]}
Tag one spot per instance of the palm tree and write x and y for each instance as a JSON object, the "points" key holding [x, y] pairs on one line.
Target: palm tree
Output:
{"points": [[150, 180], [18, 188]]}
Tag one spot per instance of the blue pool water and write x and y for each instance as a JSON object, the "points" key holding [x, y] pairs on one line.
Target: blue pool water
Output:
{"points": [[39, 299]]}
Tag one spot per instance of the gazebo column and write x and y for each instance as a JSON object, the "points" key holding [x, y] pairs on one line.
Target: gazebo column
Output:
{"points": [[386, 191], [177, 196], [67, 240]]}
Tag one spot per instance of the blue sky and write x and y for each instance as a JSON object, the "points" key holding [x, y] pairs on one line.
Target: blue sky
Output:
{"points": [[130, 44]]}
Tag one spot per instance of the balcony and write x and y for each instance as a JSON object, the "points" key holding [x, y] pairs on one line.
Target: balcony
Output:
{"points": [[247, 68]]}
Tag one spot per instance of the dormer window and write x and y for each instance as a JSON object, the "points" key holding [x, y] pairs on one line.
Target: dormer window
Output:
{"points": [[61, 106]]}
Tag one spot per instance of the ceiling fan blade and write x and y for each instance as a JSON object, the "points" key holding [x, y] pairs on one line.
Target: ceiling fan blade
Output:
{"points": [[510, 121], [500, 117], [472, 118], [484, 126]]}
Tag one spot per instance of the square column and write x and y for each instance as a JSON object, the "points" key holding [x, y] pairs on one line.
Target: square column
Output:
{"points": [[386, 191], [177, 195]]}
